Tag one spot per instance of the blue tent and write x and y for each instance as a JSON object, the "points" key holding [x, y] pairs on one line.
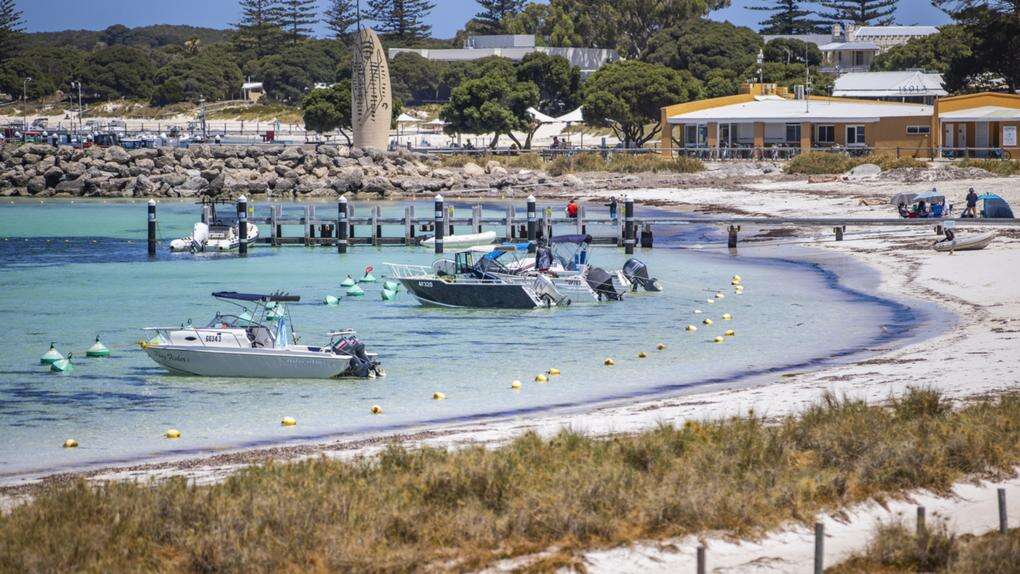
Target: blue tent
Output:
{"points": [[995, 207]]}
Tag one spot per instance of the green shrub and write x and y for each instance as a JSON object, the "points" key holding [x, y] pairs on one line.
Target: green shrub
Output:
{"points": [[1004, 167], [685, 164], [578, 162], [818, 163]]}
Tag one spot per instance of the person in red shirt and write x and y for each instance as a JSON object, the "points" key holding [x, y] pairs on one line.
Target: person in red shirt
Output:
{"points": [[572, 209]]}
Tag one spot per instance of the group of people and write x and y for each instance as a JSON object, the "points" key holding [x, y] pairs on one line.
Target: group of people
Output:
{"points": [[613, 205], [922, 209]]}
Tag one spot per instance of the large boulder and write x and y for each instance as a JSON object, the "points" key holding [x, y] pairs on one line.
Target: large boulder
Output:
{"points": [[472, 169], [72, 187], [52, 176], [142, 187], [36, 184], [117, 154], [292, 153]]}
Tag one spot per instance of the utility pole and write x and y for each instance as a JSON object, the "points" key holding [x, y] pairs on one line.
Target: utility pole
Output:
{"points": [[81, 125], [24, 109], [761, 66]]}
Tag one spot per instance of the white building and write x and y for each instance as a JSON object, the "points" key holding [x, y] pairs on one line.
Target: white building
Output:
{"points": [[514, 47], [853, 48], [912, 86]]}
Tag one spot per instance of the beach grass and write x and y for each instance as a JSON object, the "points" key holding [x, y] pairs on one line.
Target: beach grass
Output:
{"points": [[1003, 167], [896, 549], [582, 162], [433, 509], [827, 163]]}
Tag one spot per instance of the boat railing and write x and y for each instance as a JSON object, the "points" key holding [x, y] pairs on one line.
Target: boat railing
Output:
{"points": [[405, 271]]}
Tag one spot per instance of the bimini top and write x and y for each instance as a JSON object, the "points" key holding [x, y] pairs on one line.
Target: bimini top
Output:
{"points": [[275, 297], [578, 238]]}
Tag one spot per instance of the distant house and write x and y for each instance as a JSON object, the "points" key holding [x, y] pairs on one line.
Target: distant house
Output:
{"points": [[253, 91], [852, 48], [912, 86], [514, 47]]}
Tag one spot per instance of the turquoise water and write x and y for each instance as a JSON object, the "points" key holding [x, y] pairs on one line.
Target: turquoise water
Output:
{"points": [[71, 271]]}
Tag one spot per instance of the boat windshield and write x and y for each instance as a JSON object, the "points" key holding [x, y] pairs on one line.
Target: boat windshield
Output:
{"points": [[221, 321]]}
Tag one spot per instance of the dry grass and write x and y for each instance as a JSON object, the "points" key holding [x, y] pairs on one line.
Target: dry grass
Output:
{"points": [[824, 163], [260, 112], [896, 549], [1004, 167], [430, 509]]}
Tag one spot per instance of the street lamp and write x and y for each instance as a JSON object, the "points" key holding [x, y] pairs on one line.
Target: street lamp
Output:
{"points": [[24, 101]]}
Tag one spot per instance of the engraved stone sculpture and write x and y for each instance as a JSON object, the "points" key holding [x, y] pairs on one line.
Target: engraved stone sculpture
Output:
{"points": [[371, 103]]}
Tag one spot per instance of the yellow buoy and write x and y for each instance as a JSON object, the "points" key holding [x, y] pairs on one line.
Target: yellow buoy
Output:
{"points": [[735, 283], [438, 395], [697, 311], [288, 421], [540, 378], [642, 355], [661, 346], [710, 300], [720, 295], [553, 371], [726, 316], [376, 410], [730, 333], [691, 328], [609, 362], [707, 321], [70, 443], [172, 433], [719, 339], [515, 384]]}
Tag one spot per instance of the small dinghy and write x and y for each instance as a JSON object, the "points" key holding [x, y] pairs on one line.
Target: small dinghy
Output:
{"points": [[484, 238], [216, 232], [971, 243]]}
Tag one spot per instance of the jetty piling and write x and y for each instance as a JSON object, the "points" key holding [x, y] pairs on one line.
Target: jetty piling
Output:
{"points": [[341, 225], [242, 226], [152, 227], [628, 225], [440, 226], [531, 223]]}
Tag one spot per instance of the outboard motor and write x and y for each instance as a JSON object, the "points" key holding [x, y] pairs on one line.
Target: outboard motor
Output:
{"points": [[636, 272], [601, 282], [361, 365]]}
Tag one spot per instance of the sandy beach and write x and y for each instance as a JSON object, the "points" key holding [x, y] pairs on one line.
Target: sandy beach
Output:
{"points": [[973, 353]]}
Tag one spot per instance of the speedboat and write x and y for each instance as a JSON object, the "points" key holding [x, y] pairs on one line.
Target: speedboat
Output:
{"points": [[485, 283], [258, 342], [217, 232], [463, 240]]}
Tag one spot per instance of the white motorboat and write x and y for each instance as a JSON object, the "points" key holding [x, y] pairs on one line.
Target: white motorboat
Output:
{"points": [[464, 240], [258, 343], [216, 232]]}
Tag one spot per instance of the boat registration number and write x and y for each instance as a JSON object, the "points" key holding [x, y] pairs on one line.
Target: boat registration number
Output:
{"points": [[217, 338], [426, 284]]}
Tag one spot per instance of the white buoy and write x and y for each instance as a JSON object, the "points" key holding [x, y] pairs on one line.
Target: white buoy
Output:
{"points": [[691, 328], [697, 311], [718, 339], [553, 371], [63, 365], [730, 333], [438, 396], [70, 443], [541, 379], [727, 316], [609, 362], [331, 300], [707, 321]]}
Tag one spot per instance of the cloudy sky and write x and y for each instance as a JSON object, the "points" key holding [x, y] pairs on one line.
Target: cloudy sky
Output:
{"points": [[446, 19]]}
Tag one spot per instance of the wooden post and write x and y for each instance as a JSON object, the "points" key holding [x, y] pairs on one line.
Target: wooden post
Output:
{"points": [[449, 219], [476, 218], [278, 214], [311, 224], [510, 222], [274, 229], [531, 224], [376, 227], [701, 559], [408, 225], [341, 225], [732, 241], [646, 235], [440, 225], [580, 219], [819, 548], [921, 529], [307, 226], [242, 226], [1003, 524], [628, 226], [152, 227], [839, 233]]}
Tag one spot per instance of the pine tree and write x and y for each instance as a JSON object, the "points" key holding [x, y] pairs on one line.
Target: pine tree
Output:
{"points": [[258, 29], [296, 18], [341, 16], [11, 27], [495, 12], [788, 18], [402, 19], [860, 12]]}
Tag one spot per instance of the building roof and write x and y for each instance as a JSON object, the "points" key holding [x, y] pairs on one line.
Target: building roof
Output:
{"points": [[816, 39], [773, 109], [885, 31], [833, 46], [251, 86], [981, 114], [889, 84]]}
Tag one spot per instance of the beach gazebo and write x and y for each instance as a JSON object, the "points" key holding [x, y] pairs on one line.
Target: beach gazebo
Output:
{"points": [[404, 123]]}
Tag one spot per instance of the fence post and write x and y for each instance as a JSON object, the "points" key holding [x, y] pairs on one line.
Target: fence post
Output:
{"points": [[1003, 525], [701, 559], [274, 228], [376, 227], [242, 226], [152, 227], [510, 222], [439, 215], [580, 219], [921, 532], [839, 233], [408, 225], [819, 548], [476, 218], [532, 220], [341, 225], [628, 225], [732, 239]]}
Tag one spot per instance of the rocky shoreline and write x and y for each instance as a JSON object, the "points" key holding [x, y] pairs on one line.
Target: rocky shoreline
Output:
{"points": [[282, 172]]}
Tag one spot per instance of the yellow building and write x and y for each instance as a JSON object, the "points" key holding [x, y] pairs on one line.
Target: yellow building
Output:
{"points": [[765, 120], [978, 124]]}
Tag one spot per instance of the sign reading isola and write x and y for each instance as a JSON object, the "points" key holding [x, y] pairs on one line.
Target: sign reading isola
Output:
{"points": [[371, 103]]}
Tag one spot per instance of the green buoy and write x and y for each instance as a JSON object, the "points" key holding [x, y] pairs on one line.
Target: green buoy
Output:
{"points": [[355, 291], [331, 300], [63, 365], [51, 356], [347, 282], [388, 295], [97, 349], [391, 286]]}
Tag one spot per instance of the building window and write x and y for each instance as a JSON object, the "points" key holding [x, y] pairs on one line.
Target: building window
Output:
{"points": [[855, 135], [826, 134], [918, 130], [695, 135], [858, 58], [793, 133]]}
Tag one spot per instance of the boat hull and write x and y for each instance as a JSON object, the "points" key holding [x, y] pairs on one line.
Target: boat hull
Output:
{"points": [[248, 363], [465, 240], [972, 243], [483, 296]]}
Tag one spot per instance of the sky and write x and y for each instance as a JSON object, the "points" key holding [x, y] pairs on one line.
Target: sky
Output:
{"points": [[446, 19]]}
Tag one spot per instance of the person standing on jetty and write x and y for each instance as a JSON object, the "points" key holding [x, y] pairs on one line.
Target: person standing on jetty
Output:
{"points": [[613, 204]]}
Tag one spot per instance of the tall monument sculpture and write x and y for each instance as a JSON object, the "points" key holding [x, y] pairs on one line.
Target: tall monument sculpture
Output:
{"points": [[371, 103]]}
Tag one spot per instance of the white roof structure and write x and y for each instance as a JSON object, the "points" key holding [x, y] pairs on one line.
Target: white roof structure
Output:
{"points": [[406, 119], [774, 109], [889, 84], [982, 114], [576, 116], [833, 46], [251, 86], [437, 123], [887, 31]]}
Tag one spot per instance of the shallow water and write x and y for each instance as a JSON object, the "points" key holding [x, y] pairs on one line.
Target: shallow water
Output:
{"points": [[71, 271]]}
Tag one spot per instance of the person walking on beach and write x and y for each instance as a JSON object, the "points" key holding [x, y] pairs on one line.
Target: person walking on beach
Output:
{"points": [[972, 199]]}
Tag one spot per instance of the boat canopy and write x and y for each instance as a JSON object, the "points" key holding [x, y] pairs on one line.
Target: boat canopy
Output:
{"points": [[275, 297], [577, 238]]}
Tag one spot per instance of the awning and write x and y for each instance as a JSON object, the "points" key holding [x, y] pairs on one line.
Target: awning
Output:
{"points": [[982, 114]]}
